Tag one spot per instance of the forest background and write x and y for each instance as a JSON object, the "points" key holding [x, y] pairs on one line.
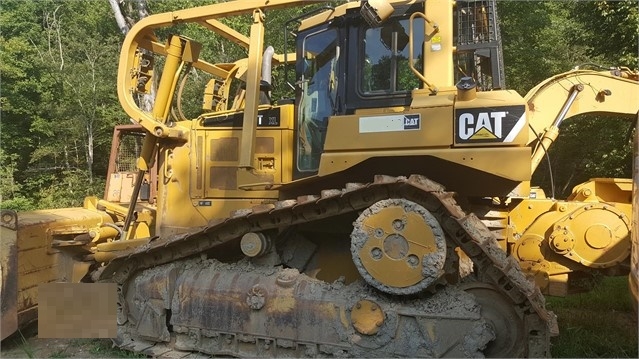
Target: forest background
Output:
{"points": [[58, 100]]}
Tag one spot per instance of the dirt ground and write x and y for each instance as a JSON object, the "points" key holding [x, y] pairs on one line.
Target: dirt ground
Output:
{"points": [[27, 345]]}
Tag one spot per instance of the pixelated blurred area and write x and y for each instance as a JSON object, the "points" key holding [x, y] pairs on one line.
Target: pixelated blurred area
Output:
{"points": [[77, 310]]}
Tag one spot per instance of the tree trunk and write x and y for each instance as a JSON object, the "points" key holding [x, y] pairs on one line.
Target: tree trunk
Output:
{"points": [[90, 152], [119, 18]]}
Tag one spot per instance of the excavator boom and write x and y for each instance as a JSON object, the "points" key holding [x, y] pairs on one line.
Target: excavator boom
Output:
{"points": [[574, 93]]}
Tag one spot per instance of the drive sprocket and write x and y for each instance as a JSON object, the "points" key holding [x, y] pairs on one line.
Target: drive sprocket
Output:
{"points": [[398, 247]]}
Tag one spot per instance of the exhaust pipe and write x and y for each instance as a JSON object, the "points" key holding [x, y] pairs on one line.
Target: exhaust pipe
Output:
{"points": [[265, 84]]}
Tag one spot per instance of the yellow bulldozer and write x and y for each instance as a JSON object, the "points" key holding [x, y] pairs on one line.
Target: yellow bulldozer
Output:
{"points": [[384, 210]]}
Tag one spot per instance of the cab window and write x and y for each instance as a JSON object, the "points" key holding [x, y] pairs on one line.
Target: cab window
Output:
{"points": [[318, 93], [385, 66]]}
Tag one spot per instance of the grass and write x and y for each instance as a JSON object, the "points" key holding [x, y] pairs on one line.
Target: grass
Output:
{"points": [[97, 347], [597, 324], [25, 346], [104, 347]]}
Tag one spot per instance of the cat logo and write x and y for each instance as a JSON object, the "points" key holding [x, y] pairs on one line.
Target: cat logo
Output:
{"points": [[411, 122], [500, 124], [390, 123]]}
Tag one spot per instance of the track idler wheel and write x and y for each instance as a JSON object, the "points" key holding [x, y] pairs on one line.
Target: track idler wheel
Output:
{"points": [[503, 318], [398, 247]]}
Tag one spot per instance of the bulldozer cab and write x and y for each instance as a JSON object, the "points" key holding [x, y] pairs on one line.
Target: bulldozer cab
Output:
{"points": [[347, 65], [336, 78]]}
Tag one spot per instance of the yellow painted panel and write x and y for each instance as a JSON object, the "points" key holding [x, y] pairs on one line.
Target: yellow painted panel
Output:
{"points": [[349, 133]]}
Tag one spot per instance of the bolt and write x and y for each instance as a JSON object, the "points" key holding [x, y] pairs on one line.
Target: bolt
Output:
{"points": [[398, 224], [412, 260], [373, 309], [379, 323], [358, 305], [376, 253]]}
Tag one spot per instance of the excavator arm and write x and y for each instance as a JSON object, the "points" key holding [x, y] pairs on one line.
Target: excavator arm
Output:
{"points": [[592, 230], [574, 93]]}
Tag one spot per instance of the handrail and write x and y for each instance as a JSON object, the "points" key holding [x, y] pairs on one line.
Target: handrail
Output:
{"points": [[431, 87]]}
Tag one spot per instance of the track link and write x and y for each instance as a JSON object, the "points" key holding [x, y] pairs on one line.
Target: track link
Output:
{"points": [[492, 267]]}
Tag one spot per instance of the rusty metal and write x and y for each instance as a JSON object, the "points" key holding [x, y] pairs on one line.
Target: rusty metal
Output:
{"points": [[215, 308], [119, 132], [210, 289]]}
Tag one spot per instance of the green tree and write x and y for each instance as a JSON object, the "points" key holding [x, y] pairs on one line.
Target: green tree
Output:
{"points": [[542, 39], [58, 100], [537, 38], [613, 30]]}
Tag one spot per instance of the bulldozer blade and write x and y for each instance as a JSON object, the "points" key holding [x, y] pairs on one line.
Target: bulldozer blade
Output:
{"points": [[633, 278], [9, 272]]}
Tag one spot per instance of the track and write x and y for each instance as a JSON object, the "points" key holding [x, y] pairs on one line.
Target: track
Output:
{"points": [[173, 301]]}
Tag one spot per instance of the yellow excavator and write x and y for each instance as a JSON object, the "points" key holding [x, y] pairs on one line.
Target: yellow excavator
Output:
{"points": [[384, 210]]}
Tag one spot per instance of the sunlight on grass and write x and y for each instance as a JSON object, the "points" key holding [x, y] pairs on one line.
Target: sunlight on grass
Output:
{"points": [[600, 323], [104, 347]]}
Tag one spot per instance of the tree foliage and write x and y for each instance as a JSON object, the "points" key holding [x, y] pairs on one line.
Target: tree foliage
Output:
{"points": [[613, 35], [58, 61], [58, 99], [546, 38]]}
